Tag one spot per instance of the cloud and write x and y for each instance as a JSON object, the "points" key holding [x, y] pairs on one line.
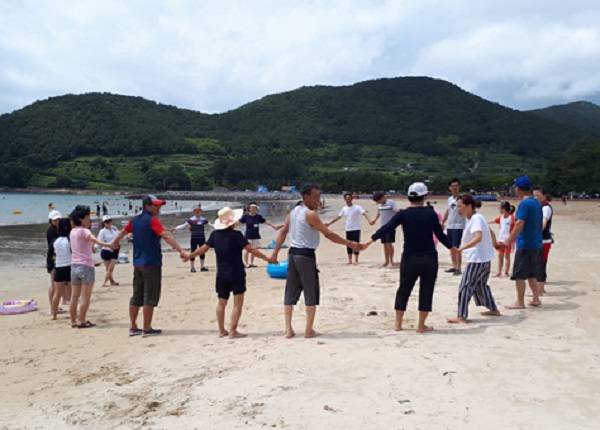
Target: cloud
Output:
{"points": [[216, 56]]}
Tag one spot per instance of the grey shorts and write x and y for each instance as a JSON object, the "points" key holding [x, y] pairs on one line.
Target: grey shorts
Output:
{"points": [[81, 274], [302, 275]]}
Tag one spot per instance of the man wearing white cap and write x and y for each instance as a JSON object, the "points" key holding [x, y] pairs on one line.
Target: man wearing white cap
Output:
{"points": [[419, 256], [147, 262], [231, 274], [305, 228]]}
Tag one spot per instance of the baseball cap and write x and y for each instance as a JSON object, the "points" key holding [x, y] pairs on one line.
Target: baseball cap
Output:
{"points": [[417, 189], [106, 218], [151, 199], [54, 215], [523, 182]]}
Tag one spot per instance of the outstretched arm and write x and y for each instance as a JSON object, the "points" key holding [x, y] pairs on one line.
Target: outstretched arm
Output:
{"points": [[185, 256], [374, 220], [313, 219], [171, 241], [260, 255], [337, 218], [281, 237], [276, 227]]}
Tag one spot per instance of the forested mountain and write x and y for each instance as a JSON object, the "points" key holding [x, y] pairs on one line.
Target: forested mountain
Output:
{"points": [[583, 115], [375, 134]]}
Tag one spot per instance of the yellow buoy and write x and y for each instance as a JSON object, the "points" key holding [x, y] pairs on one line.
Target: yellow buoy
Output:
{"points": [[16, 212]]}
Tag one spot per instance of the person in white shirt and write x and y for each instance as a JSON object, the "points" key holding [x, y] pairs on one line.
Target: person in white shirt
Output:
{"points": [[352, 213], [478, 245], [110, 256], [62, 264]]}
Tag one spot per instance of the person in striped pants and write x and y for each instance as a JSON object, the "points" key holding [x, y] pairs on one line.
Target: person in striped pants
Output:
{"points": [[478, 246]]}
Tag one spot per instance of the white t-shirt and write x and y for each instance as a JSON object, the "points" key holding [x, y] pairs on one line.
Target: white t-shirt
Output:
{"points": [[504, 230], [484, 250], [62, 249], [108, 236], [454, 220], [547, 212], [352, 215], [387, 210]]}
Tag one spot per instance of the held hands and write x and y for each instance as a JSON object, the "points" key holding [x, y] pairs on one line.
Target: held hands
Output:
{"points": [[273, 260], [185, 256], [113, 245]]}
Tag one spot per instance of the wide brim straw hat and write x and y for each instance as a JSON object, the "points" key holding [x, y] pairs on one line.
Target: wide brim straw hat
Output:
{"points": [[226, 217]]}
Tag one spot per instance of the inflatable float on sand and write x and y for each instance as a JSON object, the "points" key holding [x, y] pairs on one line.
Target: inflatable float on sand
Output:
{"points": [[18, 307]]}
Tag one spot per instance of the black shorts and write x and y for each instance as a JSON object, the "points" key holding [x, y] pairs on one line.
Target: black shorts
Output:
{"points": [[389, 237], [107, 255], [302, 276], [354, 236], [62, 274], [528, 264], [146, 286], [195, 244], [224, 287], [455, 236]]}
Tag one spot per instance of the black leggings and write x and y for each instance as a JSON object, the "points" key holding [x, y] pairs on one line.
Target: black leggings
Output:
{"points": [[354, 236], [413, 267]]}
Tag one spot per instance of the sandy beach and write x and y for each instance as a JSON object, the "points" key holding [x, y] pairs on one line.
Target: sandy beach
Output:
{"points": [[535, 368]]}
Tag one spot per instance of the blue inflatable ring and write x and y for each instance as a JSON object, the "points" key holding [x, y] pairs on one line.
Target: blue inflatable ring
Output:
{"points": [[278, 271]]}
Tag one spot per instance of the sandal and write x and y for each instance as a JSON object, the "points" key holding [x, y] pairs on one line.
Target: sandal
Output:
{"points": [[86, 324]]}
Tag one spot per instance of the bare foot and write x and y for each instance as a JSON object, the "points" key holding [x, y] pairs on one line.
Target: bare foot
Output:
{"points": [[506, 275], [425, 329], [236, 335], [223, 333], [311, 334], [491, 314], [104, 285], [290, 334], [54, 318], [356, 263], [457, 320], [397, 328], [498, 275], [349, 264], [114, 283], [515, 306], [534, 303]]}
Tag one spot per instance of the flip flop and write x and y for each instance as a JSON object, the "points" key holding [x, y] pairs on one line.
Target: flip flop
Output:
{"points": [[86, 324]]}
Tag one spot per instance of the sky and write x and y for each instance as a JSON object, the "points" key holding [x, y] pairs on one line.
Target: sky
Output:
{"points": [[214, 56]]}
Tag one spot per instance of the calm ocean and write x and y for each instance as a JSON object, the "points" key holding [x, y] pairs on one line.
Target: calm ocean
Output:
{"points": [[23, 235]]}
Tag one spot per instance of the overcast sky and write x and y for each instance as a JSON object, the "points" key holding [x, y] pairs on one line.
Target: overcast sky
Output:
{"points": [[214, 56]]}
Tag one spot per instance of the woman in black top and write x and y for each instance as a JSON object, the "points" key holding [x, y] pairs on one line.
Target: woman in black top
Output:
{"points": [[419, 256]]}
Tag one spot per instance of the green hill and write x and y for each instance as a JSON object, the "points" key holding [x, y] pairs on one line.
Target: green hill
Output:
{"points": [[583, 115], [372, 135]]}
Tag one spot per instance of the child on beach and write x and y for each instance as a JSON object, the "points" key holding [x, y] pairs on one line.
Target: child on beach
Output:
{"points": [[82, 265], [506, 220], [62, 263], [231, 275], [110, 256], [196, 226], [253, 220]]}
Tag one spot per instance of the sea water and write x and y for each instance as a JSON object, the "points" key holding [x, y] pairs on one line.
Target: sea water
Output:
{"points": [[23, 236]]}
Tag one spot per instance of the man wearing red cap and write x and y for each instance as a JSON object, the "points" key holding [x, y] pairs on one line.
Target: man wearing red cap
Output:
{"points": [[147, 262]]}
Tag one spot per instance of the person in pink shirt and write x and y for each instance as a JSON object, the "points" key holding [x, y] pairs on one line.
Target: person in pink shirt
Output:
{"points": [[82, 265]]}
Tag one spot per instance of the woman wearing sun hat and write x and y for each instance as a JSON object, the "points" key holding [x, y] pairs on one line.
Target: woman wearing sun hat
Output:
{"points": [[228, 244]]}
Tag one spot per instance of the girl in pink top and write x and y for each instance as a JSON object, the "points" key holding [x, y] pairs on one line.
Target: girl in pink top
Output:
{"points": [[82, 265]]}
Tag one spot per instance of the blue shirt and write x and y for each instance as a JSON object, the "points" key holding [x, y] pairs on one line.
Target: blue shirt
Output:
{"points": [[146, 241], [252, 225], [530, 211]]}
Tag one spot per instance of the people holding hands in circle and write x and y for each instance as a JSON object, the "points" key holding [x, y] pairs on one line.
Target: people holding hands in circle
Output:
{"points": [[252, 220]]}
